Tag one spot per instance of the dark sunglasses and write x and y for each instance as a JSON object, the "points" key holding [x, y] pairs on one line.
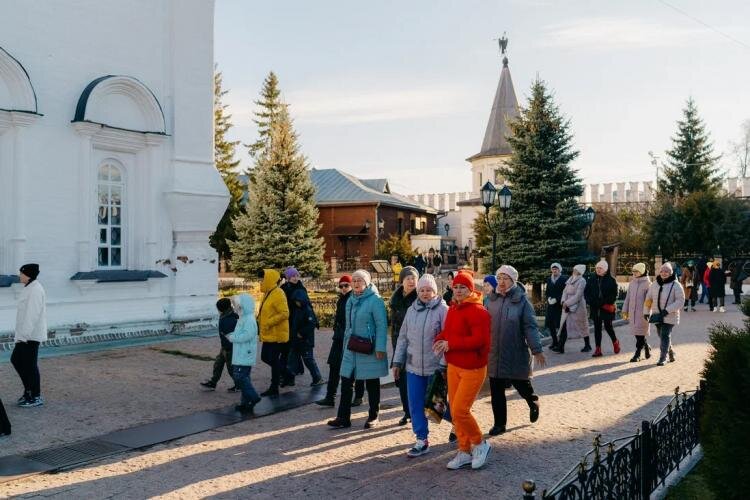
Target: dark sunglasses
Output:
{"points": [[344, 286]]}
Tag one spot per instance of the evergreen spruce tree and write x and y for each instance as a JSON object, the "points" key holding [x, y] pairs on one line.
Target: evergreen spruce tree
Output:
{"points": [[281, 226], [692, 165], [269, 105], [226, 165], [545, 223]]}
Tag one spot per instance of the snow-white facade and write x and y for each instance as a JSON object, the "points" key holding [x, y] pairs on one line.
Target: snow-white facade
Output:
{"points": [[107, 178]]}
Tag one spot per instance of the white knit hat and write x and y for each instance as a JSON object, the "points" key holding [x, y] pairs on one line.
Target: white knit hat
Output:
{"points": [[362, 274], [602, 264], [667, 266], [427, 280], [557, 265], [640, 268], [508, 271], [580, 269]]}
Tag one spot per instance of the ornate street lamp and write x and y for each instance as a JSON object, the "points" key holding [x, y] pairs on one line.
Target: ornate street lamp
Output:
{"points": [[589, 216], [489, 195], [447, 228]]}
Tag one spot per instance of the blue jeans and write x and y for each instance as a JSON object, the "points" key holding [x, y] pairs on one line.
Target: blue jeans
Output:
{"points": [[665, 334], [416, 386], [307, 358], [704, 293], [242, 380]]}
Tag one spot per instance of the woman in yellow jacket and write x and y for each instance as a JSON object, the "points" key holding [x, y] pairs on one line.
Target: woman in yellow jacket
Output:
{"points": [[273, 323]]}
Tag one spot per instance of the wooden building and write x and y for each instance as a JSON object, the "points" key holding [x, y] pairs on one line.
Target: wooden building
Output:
{"points": [[356, 213]]}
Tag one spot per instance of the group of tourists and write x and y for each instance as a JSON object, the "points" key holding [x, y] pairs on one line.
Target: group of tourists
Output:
{"points": [[462, 344]]}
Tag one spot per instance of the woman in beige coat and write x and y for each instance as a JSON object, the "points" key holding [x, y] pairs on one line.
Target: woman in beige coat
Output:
{"points": [[632, 309], [665, 298], [574, 322]]}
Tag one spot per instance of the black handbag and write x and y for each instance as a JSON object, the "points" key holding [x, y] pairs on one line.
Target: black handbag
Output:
{"points": [[656, 318], [362, 345]]}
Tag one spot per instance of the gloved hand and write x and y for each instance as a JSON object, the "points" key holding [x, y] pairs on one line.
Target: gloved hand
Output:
{"points": [[551, 301], [645, 316], [624, 315]]}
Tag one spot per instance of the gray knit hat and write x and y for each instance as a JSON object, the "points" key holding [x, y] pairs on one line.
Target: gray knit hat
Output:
{"points": [[408, 270]]}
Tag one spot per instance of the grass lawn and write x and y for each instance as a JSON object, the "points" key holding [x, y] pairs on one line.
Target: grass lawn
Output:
{"points": [[694, 486]]}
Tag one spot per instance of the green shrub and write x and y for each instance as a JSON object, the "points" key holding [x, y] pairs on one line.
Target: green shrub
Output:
{"points": [[725, 421]]}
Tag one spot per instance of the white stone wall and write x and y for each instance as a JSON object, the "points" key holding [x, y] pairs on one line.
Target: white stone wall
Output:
{"points": [[619, 192], [173, 194]]}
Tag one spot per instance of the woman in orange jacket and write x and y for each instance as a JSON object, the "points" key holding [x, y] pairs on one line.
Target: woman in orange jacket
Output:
{"points": [[465, 342]]}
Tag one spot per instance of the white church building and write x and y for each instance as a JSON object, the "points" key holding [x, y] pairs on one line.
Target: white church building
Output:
{"points": [[107, 178]]}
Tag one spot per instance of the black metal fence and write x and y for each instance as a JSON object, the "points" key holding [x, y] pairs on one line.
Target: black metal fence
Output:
{"points": [[632, 467]]}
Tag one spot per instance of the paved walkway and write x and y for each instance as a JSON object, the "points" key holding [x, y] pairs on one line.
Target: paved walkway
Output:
{"points": [[293, 454]]}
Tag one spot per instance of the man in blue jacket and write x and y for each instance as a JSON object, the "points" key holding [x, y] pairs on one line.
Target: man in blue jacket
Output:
{"points": [[227, 323]]}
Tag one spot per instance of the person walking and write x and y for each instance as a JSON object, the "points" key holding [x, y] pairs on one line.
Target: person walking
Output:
{"points": [[553, 291], [488, 288], [513, 332], [662, 307], [700, 269], [401, 300], [717, 282], [632, 309], [465, 343], [304, 322], [413, 355], [739, 275], [687, 279], [574, 322], [601, 294], [31, 330], [707, 284], [419, 262], [227, 322], [336, 353], [289, 357], [365, 355], [273, 323], [244, 340]]}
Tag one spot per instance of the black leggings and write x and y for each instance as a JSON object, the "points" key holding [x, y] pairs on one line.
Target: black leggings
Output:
{"points": [[24, 359], [599, 317], [271, 354]]}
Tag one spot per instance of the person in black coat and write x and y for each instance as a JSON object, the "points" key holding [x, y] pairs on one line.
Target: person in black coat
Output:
{"points": [[717, 282], [227, 322], [401, 300], [700, 267], [302, 336], [336, 353], [291, 284], [553, 293], [739, 275], [601, 294]]}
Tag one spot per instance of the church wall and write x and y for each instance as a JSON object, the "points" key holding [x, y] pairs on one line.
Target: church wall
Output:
{"points": [[64, 46]]}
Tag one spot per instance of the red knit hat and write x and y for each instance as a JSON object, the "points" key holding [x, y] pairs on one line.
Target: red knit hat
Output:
{"points": [[346, 278], [464, 278]]}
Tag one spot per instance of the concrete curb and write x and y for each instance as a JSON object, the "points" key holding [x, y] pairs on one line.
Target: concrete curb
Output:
{"points": [[687, 465]]}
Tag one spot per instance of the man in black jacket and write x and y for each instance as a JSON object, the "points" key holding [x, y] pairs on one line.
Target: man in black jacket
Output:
{"points": [[336, 354], [227, 323], [553, 292], [601, 294]]}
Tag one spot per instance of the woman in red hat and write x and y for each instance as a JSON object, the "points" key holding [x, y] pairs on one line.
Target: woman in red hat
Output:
{"points": [[465, 342]]}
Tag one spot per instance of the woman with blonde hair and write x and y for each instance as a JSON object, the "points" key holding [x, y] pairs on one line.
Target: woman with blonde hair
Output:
{"points": [[632, 309]]}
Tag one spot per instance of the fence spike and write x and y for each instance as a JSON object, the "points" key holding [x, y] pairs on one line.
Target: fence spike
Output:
{"points": [[677, 391], [611, 449]]}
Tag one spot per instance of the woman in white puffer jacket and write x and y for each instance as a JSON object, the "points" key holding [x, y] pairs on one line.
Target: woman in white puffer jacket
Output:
{"points": [[31, 330]]}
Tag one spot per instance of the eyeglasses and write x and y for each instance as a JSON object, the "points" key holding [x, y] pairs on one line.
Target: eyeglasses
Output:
{"points": [[344, 286]]}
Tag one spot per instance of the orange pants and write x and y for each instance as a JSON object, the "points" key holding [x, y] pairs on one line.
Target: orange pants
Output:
{"points": [[463, 387]]}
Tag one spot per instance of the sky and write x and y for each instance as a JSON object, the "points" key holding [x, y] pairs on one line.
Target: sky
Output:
{"points": [[403, 89]]}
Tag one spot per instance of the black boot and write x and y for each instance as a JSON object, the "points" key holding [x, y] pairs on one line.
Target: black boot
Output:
{"points": [[647, 350], [637, 356], [587, 345], [560, 348], [271, 391]]}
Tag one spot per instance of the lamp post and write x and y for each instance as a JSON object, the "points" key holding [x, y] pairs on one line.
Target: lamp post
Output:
{"points": [[447, 228], [589, 214], [490, 194]]}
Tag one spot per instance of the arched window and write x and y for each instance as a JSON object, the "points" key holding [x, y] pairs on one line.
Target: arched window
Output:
{"points": [[111, 190]]}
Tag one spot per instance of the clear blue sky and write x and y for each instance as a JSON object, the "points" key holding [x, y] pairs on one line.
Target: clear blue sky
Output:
{"points": [[403, 89]]}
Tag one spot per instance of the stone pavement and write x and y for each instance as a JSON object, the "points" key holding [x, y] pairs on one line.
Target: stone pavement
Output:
{"points": [[294, 454]]}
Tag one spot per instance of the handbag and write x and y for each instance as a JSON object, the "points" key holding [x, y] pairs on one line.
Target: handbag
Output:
{"points": [[656, 318], [609, 308], [362, 345]]}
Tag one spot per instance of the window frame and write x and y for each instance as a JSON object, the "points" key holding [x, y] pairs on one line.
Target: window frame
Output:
{"points": [[111, 207]]}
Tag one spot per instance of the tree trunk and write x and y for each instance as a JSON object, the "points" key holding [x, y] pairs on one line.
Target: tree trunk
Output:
{"points": [[536, 293]]}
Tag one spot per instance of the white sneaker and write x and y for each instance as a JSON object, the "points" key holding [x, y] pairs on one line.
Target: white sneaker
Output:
{"points": [[721, 309], [479, 454], [462, 459]]}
